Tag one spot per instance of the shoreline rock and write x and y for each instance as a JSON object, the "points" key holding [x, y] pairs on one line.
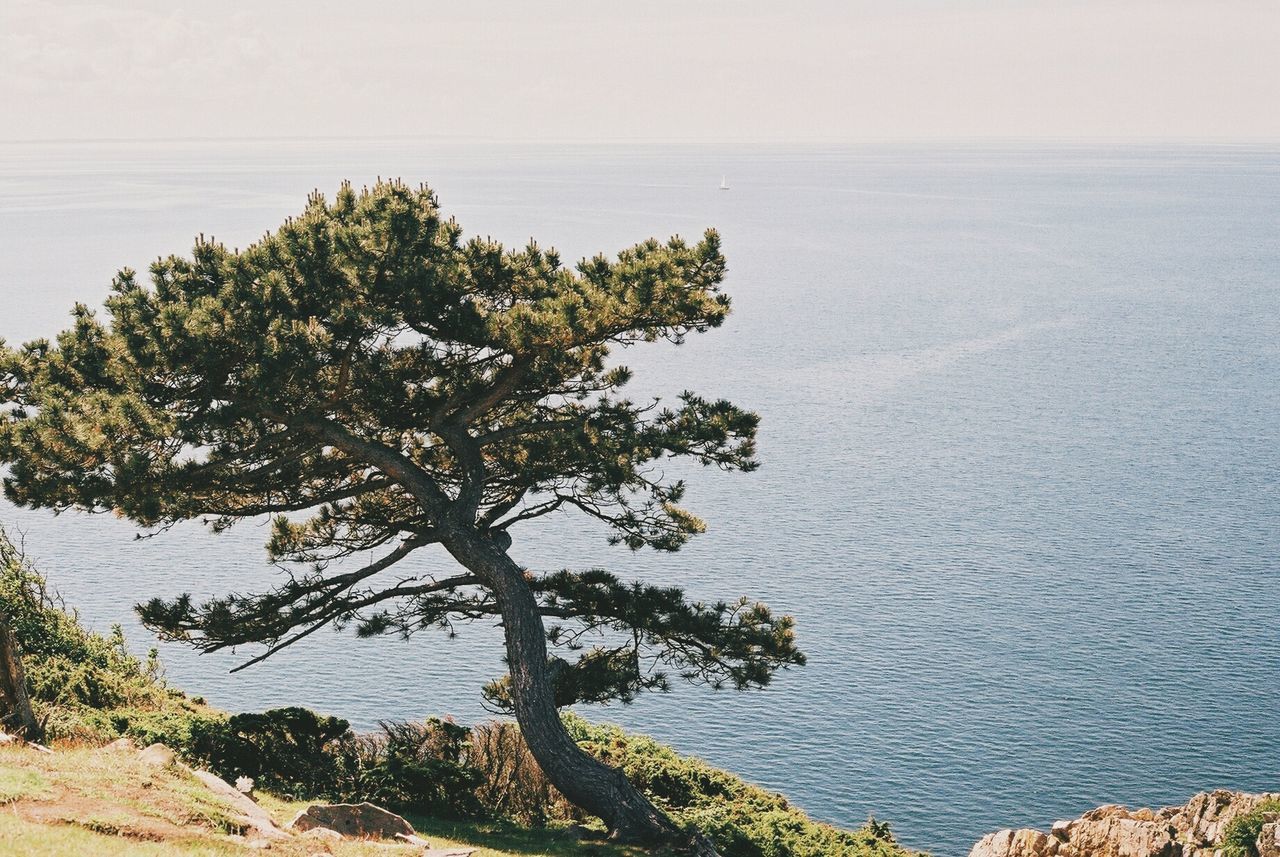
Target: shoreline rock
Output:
{"points": [[1193, 829]]}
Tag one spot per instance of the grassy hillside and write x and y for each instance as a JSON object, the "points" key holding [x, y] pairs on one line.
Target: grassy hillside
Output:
{"points": [[470, 784], [108, 802]]}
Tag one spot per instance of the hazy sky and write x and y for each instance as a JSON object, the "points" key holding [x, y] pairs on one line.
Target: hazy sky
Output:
{"points": [[659, 69]]}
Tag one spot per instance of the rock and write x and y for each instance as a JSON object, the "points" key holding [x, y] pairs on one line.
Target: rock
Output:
{"points": [[1015, 843], [6, 739], [1204, 818], [1120, 833], [158, 755], [1192, 830], [248, 813], [413, 839], [363, 820], [448, 852], [122, 745], [323, 834], [1269, 840]]}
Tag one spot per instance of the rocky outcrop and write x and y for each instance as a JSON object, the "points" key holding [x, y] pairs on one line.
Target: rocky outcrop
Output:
{"points": [[247, 813], [1269, 840], [1191, 830]]}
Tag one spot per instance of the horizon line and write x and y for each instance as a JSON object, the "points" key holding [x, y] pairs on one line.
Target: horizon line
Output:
{"points": [[707, 141]]}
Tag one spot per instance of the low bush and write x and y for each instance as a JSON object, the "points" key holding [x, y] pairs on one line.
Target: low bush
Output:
{"points": [[286, 750], [298, 754], [511, 785], [85, 686], [1240, 838], [743, 820], [417, 767]]}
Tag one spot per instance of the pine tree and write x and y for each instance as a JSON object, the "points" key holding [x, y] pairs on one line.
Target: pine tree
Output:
{"points": [[379, 386]]}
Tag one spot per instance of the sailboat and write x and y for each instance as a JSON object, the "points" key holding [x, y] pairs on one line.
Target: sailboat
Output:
{"points": [[724, 183]]}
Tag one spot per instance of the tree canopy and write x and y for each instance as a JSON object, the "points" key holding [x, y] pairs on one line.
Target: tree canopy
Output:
{"points": [[378, 385]]}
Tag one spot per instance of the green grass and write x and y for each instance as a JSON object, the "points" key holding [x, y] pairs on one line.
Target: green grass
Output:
{"points": [[16, 783], [83, 800], [491, 838], [21, 838], [503, 838]]}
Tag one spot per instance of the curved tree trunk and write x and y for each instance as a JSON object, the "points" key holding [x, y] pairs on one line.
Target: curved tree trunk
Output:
{"points": [[583, 779]]}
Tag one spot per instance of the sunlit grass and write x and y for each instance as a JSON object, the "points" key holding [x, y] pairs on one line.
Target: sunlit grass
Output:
{"points": [[83, 800]]}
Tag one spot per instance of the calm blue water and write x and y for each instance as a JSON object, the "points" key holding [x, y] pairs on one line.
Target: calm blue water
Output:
{"points": [[1021, 420]]}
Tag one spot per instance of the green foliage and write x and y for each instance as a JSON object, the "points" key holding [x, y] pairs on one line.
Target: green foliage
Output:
{"points": [[1240, 838], [296, 753], [444, 770], [743, 820], [285, 750], [368, 378], [739, 644], [416, 767], [82, 684]]}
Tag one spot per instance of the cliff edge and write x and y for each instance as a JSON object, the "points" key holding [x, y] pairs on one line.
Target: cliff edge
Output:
{"points": [[1199, 828]]}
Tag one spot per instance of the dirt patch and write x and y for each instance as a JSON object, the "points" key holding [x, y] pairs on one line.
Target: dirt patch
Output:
{"points": [[100, 816]]}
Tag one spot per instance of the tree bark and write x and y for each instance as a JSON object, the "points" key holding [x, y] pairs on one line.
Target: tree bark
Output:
{"points": [[15, 706], [587, 782]]}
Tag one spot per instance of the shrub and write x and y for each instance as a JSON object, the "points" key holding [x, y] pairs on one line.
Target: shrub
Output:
{"points": [[510, 783], [1240, 839], [285, 750], [297, 753], [82, 685], [743, 820], [414, 767]]}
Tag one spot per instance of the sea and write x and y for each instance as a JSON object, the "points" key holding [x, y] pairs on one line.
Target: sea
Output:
{"points": [[1020, 437]]}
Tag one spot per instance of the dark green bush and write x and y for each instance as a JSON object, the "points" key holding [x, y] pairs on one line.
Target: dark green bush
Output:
{"points": [[294, 752], [415, 767], [286, 751]]}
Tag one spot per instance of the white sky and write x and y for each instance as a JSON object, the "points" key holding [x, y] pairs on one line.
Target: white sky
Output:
{"points": [[661, 69]]}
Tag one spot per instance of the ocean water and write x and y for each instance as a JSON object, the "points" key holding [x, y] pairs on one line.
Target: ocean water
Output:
{"points": [[1021, 442]]}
